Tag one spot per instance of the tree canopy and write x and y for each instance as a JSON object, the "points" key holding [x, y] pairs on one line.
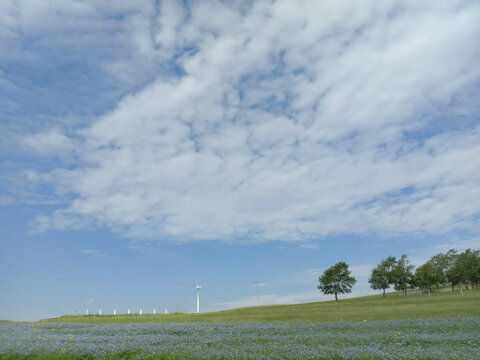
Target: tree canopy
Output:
{"points": [[427, 275], [458, 269], [402, 274], [381, 277], [336, 280]]}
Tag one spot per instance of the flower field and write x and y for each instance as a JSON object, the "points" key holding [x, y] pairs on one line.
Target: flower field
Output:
{"points": [[400, 339]]}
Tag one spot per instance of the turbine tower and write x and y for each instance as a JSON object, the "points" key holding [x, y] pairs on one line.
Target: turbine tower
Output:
{"points": [[198, 287]]}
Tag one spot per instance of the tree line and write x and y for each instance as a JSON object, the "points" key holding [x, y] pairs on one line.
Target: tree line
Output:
{"points": [[452, 268]]}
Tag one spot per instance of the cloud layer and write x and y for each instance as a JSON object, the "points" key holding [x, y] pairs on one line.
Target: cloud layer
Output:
{"points": [[279, 120]]}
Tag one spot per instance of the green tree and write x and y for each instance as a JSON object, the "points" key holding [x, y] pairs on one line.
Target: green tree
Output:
{"points": [[402, 274], [452, 274], [466, 268], [336, 280], [381, 277], [427, 276], [442, 264]]}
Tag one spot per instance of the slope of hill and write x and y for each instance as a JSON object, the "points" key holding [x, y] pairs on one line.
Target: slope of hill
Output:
{"points": [[441, 304]]}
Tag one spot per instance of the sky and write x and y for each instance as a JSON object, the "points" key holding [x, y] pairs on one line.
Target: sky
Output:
{"points": [[147, 146]]}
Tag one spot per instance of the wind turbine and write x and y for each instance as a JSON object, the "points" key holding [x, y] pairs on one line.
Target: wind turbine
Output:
{"points": [[198, 287]]}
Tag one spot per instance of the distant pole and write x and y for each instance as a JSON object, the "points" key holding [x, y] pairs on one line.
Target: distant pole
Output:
{"points": [[100, 312], [256, 286], [86, 312], [140, 311], [166, 311], [114, 312], [153, 311], [128, 311]]}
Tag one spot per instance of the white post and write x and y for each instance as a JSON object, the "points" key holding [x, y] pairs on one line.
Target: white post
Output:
{"points": [[86, 312], [100, 312], [140, 311], [166, 311], [128, 311], [114, 312], [198, 298], [153, 311]]}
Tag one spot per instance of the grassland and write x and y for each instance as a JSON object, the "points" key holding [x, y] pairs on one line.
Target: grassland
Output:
{"points": [[440, 304], [443, 325], [453, 339]]}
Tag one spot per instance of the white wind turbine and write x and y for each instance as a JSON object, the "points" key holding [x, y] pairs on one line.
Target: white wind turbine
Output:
{"points": [[198, 287]]}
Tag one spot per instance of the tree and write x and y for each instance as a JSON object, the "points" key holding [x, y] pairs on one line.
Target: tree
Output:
{"points": [[381, 277], [336, 280], [466, 268], [402, 274], [452, 274], [442, 264], [426, 276]]}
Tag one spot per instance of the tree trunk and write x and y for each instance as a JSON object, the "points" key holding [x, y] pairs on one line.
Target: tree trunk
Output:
{"points": [[336, 299], [453, 287], [383, 292]]}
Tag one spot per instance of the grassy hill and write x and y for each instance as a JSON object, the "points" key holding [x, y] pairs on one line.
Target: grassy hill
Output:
{"points": [[440, 304]]}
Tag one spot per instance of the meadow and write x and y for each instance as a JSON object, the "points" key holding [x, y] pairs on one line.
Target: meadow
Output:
{"points": [[397, 339], [444, 325], [440, 304]]}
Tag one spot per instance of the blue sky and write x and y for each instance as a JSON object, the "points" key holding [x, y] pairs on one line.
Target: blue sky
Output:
{"points": [[147, 146]]}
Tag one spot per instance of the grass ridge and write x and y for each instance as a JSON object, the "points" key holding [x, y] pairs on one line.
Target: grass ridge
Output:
{"points": [[440, 304]]}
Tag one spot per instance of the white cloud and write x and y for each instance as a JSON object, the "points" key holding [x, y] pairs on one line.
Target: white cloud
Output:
{"points": [[50, 143], [96, 253], [283, 126], [310, 246], [122, 31]]}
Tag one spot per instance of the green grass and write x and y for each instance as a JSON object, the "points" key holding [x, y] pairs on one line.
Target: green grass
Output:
{"points": [[134, 354], [440, 304]]}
